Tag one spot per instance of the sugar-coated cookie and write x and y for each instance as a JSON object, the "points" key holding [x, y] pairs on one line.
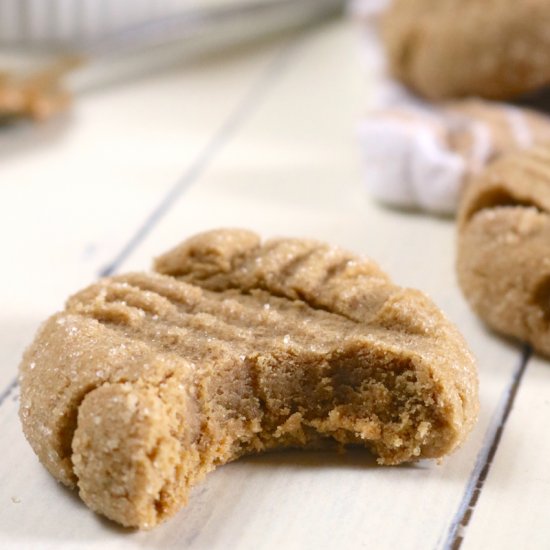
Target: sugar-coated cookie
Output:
{"points": [[423, 157], [148, 381]]}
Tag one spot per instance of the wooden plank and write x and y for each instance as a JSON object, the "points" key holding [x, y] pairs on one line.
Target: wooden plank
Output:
{"points": [[512, 510]]}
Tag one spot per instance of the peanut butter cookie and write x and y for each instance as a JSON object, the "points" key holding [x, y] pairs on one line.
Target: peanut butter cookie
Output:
{"points": [[504, 246], [148, 381], [497, 49]]}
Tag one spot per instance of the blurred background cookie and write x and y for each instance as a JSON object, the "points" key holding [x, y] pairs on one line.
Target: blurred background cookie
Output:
{"points": [[453, 48], [147, 382], [423, 157]]}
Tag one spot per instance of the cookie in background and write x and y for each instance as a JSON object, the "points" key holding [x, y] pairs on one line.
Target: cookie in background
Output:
{"points": [[419, 154]]}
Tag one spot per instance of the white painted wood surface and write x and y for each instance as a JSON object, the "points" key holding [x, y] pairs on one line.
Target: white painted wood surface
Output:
{"points": [[516, 494], [262, 139]]}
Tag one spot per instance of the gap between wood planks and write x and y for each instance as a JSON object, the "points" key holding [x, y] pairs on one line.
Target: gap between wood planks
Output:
{"points": [[457, 530], [250, 101]]}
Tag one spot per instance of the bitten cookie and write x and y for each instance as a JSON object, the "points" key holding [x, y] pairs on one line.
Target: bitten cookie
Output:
{"points": [[504, 246], [452, 48], [147, 381]]}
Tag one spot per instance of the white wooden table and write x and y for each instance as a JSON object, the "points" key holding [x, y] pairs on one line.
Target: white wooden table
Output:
{"points": [[264, 139]]}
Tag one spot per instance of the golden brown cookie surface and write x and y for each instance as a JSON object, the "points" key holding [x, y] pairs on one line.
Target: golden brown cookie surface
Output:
{"points": [[146, 382], [504, 246], [497, 49]]}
